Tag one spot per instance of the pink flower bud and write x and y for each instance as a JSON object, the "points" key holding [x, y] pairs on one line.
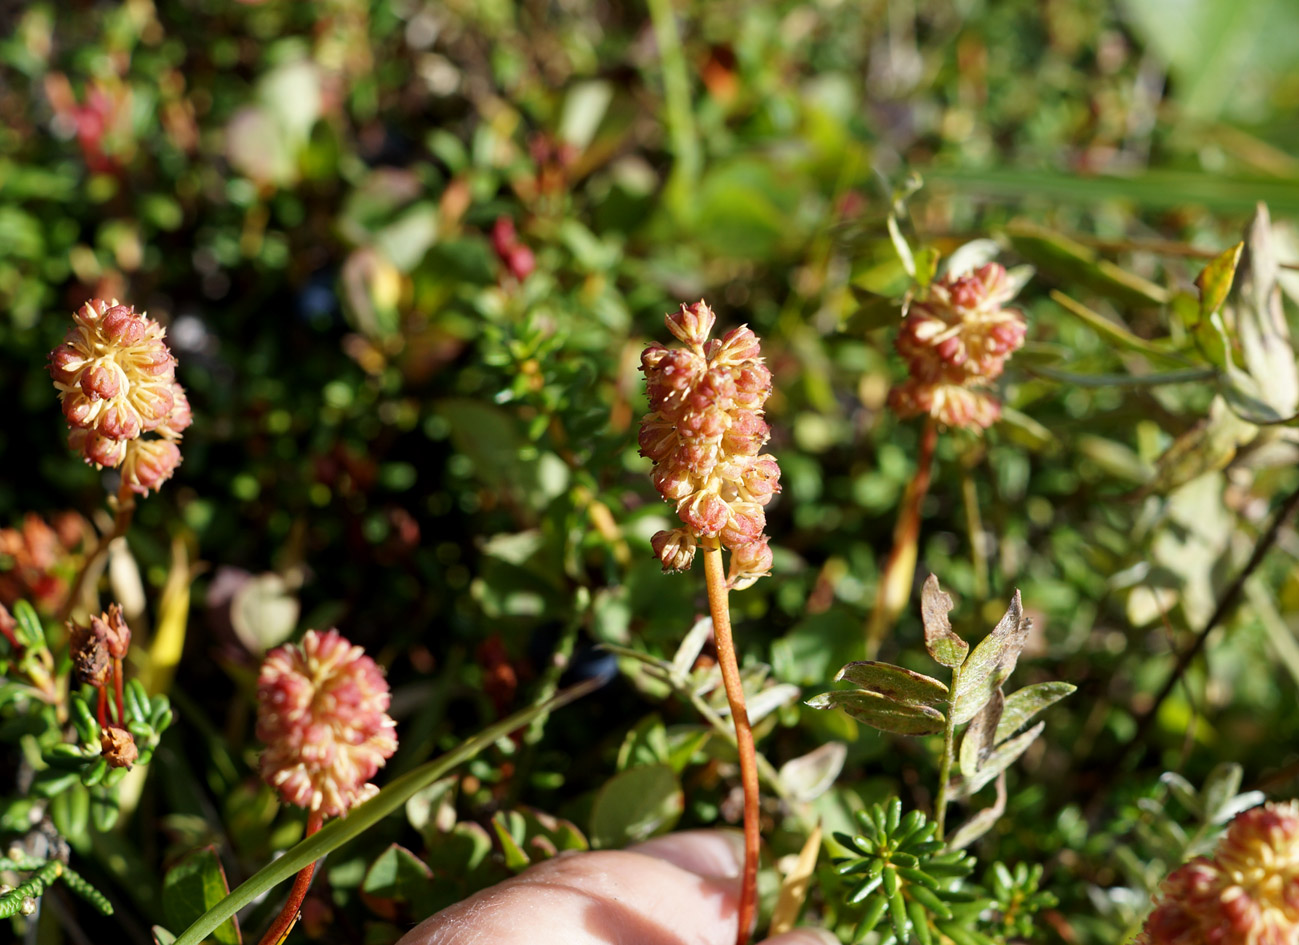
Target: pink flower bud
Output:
{"points": [[675, 548], [671, 482], [97, 450], [119, 420], [748, 563], [657, 440], [122, 327], [100, 381], [692, 324], [746, 524], [705, 512], [738, 344], [149, 463]]}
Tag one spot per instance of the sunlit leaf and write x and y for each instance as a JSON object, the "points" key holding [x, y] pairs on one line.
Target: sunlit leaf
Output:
{"points": [[877, 711], [990, 663], [940, 640]]}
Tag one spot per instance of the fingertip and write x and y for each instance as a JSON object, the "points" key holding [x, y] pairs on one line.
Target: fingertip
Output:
{"points": [[715, 853]]}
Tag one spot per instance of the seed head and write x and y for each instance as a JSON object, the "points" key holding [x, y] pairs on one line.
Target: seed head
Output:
{"points": [[118, 747], [323, 715], [704, 433]]}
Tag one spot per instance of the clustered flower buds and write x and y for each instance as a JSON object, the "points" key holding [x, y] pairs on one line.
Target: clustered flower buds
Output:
{"points": [[116, 379], [956, 342], [97, 653], [705, 433], [322, 713], [1247, 894]]}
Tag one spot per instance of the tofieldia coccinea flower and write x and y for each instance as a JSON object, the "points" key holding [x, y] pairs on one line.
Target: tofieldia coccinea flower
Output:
{"points": [[322, 713], [116, 380], [705, 433], [1247, 894], [955, 342]]}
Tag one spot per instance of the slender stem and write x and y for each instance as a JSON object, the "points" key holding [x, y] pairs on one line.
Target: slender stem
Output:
{"points": [[301, 883], [117, 686], [121, 522], [102, 711], [719, 606], [974, 526], [899, 570], [945, 766], [1220, 612]]}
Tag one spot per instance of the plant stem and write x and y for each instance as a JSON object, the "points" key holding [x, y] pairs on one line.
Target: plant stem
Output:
{"points": [[289, 914], [900, 568], [719, 606], [974, 526], [121, 522], [945, 767]]}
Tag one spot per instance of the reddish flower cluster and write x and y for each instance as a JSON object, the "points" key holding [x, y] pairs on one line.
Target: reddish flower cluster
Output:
{"points": [[97, 653], [705, 433], [322, 713], [1248, 894], [116, 379], [955, 342], [516, 257], [39, 554]]}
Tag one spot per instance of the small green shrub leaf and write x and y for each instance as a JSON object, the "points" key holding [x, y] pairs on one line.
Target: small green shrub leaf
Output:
{"points": [[877, 711]]}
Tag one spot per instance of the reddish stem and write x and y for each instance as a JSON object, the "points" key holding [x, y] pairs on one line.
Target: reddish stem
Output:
{"points": [[117, 686], [102, 713], [905, 537], [302, 882], [719, 606]]}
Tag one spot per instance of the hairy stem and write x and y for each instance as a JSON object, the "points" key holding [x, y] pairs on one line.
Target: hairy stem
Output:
{"points": [[945, 766], [900, 570], [719, 606], [302, 882]]}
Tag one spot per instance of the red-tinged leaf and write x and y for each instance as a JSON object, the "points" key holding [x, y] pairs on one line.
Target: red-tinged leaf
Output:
{"points": [[942, 643]]}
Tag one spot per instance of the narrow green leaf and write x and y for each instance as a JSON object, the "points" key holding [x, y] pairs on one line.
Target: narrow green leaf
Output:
{"points": [[388, 800], [30, 632], [1156, 379], [1214, 281], [920, 923], [1068, 260], [161, 936], [1220, 787], [192, 887], [635, 805], [943, 644], [894, 683], [900, 246], [991, 662], [873, 709], [397, 874], [1026, 703], [1110, 330]]}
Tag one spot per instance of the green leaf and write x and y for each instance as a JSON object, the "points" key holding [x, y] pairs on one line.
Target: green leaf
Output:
{"points": [[1070, 261], [942, 643], [991, 662], [1214, 280], [1220, 787], [635, 805], [1110, 330], [1026, 703], [1207, 446], [1001, 758], [192, 887], [30, 632], [397, 874], [361, 818], [645, 744], [161, 936], [901, 247], [877, 711], [894, 683], [1153, 379]]}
